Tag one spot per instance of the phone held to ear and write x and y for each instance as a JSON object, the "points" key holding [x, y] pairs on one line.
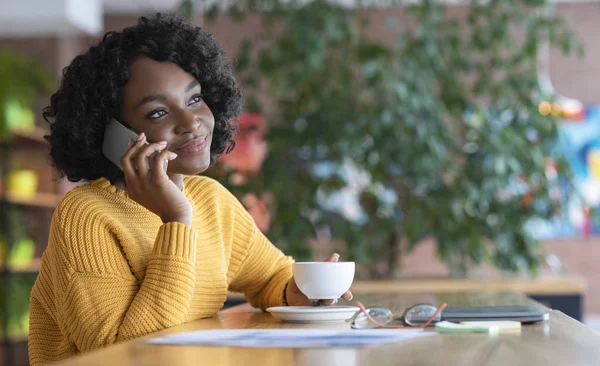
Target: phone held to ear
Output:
{"points": [[116, 138], [115, 144]]}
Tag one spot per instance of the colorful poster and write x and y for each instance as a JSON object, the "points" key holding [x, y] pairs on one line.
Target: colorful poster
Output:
{"points": [[580, 140]]}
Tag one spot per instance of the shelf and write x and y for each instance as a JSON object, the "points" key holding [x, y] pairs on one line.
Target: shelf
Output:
{"points": [[48, 200], [15, 337], [32, 267], [34, 135]]}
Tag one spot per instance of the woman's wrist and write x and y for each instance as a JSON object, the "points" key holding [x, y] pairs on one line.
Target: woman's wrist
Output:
{"points": [[184, 219], [285, 303]]}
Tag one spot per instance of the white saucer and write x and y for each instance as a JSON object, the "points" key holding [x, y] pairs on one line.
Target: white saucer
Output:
{"points": [[310, 314]]}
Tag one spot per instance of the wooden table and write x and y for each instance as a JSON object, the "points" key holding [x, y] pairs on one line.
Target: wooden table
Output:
{"points": [[565, 292], [560, 292], [560, 341]]}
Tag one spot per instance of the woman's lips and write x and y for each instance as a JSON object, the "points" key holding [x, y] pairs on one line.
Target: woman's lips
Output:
{"points": [[197, 145]]}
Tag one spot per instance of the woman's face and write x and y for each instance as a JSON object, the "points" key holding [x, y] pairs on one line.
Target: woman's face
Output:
{"points": [[165, 102]]}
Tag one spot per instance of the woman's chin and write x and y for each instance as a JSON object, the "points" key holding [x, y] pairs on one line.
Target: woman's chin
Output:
{"points": [[189, 169]]}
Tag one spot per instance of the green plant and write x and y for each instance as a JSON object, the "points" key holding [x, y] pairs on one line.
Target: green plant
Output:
{"points": [[16, 219], [20, 80], [14, 287], [438, 136], [14, 310]]}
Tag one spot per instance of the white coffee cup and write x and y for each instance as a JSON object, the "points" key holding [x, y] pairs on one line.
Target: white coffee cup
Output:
{"points": [[323, 280]]}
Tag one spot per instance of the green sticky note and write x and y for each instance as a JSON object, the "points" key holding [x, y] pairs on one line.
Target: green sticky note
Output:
{"points": [[448, 327], [501, 324]]}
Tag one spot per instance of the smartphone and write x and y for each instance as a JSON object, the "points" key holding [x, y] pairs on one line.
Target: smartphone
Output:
{"points": [[116, 138], [419, 314], [520, 313]]}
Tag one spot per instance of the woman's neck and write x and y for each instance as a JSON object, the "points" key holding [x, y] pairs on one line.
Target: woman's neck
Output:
{"points": [[176, 178]]}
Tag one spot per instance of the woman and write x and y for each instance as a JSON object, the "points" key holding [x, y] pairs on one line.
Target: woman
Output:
{"points": [[153, 246]]}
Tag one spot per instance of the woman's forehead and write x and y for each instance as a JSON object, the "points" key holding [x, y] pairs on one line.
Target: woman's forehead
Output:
{"points": [[148, 76]]}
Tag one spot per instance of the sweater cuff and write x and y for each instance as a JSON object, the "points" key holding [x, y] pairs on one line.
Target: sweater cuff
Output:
{"points": [[274, 295], [176, 239]]}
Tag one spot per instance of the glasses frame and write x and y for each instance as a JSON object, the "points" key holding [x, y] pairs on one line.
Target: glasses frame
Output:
{"points": [[363, 309]]}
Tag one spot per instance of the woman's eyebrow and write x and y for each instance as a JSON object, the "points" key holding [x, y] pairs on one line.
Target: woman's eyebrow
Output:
{"points": [[162, 97], [151, 98], [192, 85]]}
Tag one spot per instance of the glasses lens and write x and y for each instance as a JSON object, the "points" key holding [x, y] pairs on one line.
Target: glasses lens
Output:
{"points": [[420, 314], [379, 314]]}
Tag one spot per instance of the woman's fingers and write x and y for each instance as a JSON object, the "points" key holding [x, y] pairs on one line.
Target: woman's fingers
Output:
{"points": [[129, 168], [160, 163], [141, 160], [347, 296], [333, 258], [134, 146], [136, 162], [328, 302]]}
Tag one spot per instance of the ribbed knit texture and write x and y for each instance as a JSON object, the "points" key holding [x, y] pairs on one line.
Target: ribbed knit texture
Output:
{"points": [[112, 271]]}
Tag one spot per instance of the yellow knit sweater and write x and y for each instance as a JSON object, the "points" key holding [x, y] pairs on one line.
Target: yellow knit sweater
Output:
{"points": [[113, 271]]}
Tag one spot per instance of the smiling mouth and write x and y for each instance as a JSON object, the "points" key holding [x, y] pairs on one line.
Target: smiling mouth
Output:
{"points": [[194, 146]]}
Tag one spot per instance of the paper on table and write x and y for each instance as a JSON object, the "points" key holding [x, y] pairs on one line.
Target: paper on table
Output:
{"points": [[290, 338]]}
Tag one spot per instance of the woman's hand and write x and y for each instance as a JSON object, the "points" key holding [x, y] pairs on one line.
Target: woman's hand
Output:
{"points": [[295, 297], [151, 186]]}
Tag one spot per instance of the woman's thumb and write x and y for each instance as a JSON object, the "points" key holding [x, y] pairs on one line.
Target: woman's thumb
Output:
{"points": [[333, 258]]}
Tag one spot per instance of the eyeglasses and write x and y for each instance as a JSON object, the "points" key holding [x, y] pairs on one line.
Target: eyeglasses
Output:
{"points": [[417, 316]]}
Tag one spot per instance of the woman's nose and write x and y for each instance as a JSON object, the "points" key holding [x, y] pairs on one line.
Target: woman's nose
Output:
{"points": [[187, 122]]}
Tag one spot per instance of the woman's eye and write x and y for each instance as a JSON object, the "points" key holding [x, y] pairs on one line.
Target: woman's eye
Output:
{"points": [[157, 114], [196, 99]]}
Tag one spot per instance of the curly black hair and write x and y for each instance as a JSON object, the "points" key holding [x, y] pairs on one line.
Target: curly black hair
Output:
{"points": [[90, 91]]}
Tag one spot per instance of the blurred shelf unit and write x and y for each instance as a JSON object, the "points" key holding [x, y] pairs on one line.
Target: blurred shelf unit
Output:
{"points": [[30, 135], [32, 267], [48, 200], [14, 337], [24, 150]]}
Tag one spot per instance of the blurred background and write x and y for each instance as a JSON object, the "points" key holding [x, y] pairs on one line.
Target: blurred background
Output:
{"points": [[451, 142]]}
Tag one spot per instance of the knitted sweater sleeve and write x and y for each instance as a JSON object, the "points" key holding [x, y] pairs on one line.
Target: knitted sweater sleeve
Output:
{"points": [[261, 270], [95, 293]]}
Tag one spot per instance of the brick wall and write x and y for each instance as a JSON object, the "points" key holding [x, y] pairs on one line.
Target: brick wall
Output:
{"points": [[579, 256]]}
